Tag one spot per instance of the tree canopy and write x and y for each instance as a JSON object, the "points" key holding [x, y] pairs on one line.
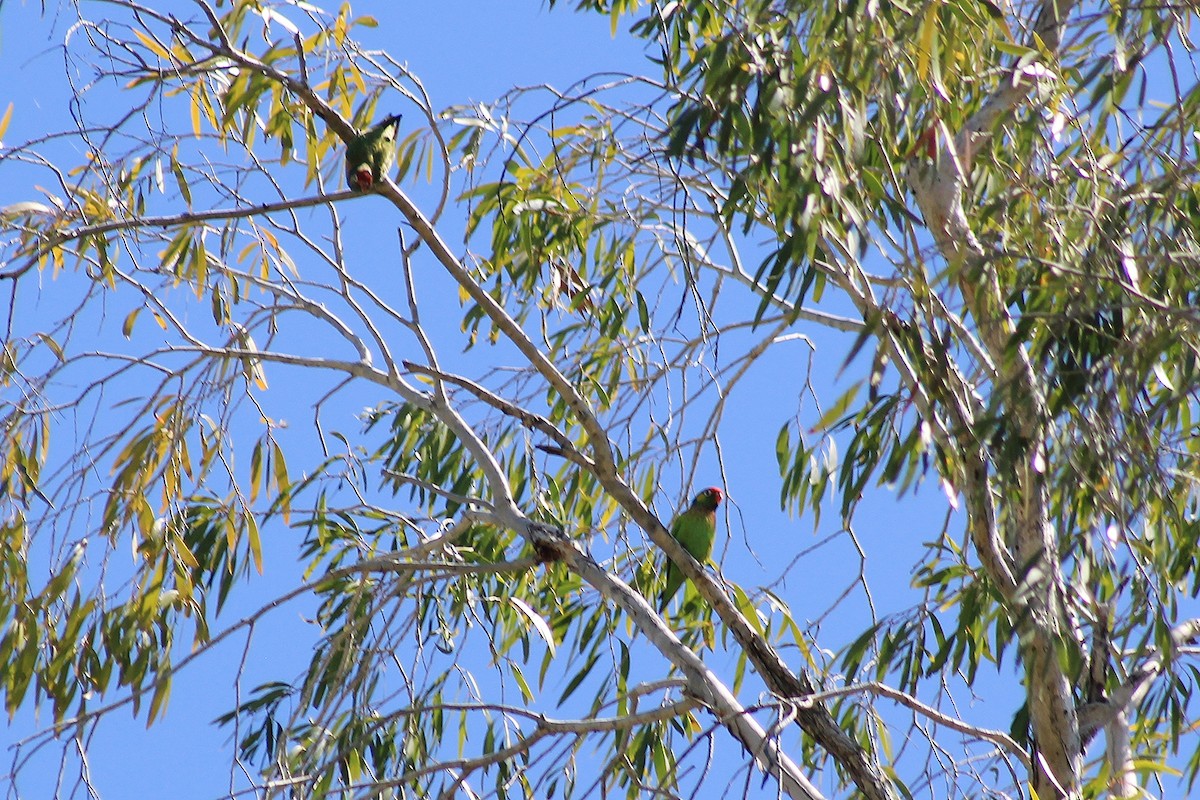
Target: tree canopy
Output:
{"points": [[943, 252]]}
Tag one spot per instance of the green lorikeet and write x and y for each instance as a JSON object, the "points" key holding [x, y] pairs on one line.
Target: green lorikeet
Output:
{"points": [[370, 155], [695, 529]]}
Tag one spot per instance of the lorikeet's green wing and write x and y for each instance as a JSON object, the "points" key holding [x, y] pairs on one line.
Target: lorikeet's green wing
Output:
{"points": [[695, 529], [384, 152], [369, 156], [358, 163]]}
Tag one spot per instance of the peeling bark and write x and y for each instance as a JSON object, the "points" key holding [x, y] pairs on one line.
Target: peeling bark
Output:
{"points": [[1007, 501]]}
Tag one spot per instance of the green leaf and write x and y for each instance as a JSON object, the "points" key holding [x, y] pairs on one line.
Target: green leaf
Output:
{"points": [[835, 413]]}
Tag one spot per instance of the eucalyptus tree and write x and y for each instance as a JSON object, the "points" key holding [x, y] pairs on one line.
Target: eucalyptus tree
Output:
{"points": [[466, 401]]}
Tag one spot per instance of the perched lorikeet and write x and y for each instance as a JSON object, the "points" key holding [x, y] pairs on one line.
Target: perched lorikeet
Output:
{"points": [[370, 155], [695, 529]]}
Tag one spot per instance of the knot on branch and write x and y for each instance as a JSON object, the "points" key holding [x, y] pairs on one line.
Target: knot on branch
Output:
{"points": [[1093, 717], [550, 542]]}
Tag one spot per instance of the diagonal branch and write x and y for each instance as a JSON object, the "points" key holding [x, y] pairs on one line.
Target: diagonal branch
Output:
{"points": [[702, 683], [817, 722]]}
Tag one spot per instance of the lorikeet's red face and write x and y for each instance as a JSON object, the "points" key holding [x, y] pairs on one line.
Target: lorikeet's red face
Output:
{"points": [[363, 178], [713, 495]]}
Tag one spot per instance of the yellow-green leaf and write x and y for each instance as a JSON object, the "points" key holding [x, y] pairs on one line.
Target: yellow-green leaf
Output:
{"points": [[5, 120], [927, 39], [153, 46], [162, 691], [837, 410], [254, 541], [256, 457]]}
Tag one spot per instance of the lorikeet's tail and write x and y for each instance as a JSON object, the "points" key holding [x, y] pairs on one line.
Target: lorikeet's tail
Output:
{"points": [[674, 581]]}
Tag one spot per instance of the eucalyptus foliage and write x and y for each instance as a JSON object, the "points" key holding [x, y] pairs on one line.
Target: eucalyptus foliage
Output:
{"points": [[467, 404]]}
